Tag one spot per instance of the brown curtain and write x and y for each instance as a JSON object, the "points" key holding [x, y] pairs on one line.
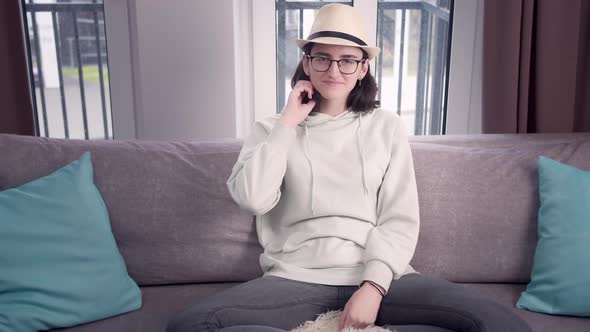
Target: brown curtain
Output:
{"points": [[16, 109], [536, 66]]}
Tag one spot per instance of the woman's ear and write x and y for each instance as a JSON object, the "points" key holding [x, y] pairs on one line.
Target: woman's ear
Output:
{"points": [[305, 60], [364, 69]]}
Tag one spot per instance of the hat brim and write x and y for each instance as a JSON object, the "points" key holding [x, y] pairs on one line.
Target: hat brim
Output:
{"points": [[372, 52]]}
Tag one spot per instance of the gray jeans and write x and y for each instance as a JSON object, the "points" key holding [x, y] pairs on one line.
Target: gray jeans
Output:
{"points": [[414, 303]]}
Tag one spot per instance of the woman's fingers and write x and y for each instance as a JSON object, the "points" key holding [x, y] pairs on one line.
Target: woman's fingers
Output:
{"points": [[301, 87], [346, 322], [310, 105], [343, 317], [304, 86]]}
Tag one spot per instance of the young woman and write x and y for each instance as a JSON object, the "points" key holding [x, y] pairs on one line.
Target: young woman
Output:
{"points": [[331, 182]]}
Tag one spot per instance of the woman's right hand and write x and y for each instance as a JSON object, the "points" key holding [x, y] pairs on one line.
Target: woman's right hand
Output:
{"points": [[295, 111]]}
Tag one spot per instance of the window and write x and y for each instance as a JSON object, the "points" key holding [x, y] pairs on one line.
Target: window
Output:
{"points": [[294, 20], [69, 68], [412, 68]]}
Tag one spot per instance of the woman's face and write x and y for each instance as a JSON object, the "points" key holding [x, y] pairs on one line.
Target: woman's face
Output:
{"points": [[332, 84]]}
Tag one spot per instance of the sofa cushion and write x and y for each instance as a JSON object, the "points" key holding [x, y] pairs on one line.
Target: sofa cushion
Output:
{"points": [[559, 281], [59, 263], [507, 294], [162, 302]]}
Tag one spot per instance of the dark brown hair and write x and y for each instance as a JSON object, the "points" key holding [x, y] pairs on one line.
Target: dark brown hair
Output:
{"points": [[360, 99]]}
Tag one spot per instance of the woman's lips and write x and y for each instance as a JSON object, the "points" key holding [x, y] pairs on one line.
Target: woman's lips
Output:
{"points": [[333, 83]]}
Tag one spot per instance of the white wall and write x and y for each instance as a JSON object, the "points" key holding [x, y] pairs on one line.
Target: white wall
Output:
{"points": [[183, 69], [465, 78], [117, 26], [244, 55], [198, 73]]}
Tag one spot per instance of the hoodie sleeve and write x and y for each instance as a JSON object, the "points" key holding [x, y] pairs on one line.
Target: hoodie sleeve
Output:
{"points": [[256, 178], [392, 242]]}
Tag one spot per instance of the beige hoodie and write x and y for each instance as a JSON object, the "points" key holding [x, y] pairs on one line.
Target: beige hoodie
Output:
{"points": [[335, 198]]}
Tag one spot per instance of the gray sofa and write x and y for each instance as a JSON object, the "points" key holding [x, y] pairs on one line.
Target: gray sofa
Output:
{"points": [[183, 238]]}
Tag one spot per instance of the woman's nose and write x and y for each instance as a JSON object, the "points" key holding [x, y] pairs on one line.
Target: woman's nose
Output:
{"points": [[334, 70]]}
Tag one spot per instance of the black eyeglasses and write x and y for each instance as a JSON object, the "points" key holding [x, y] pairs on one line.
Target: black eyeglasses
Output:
{"points": [[323, 64]]}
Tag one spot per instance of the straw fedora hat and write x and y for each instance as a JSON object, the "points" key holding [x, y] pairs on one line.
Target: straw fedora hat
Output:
{"points": [[338, 24]]}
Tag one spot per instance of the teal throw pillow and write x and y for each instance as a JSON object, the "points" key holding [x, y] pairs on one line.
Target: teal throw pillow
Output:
{"points": [[560, 280], [59, 263]]}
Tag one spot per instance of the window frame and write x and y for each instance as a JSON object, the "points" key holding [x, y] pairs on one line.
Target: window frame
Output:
{"points": [[119, 27]]}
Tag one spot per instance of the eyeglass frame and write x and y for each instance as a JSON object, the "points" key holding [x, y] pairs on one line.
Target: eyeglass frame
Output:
{"points": [[311, 57]]}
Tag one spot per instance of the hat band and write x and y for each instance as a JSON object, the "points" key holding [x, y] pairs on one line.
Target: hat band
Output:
{"points": [[337, 35]]}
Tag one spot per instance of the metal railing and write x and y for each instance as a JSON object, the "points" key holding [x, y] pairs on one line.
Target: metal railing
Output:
{"points": [[433, 61], [433, 56], [58, 13]]}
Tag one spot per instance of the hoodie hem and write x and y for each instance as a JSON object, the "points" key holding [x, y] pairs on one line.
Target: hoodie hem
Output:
{"points": [[323, 276]]}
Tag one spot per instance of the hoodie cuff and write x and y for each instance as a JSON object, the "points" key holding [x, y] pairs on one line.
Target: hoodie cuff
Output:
{"points": [[379, 273], [281, 136]]}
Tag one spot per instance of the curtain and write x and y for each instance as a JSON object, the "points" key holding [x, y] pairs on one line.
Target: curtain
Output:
{"points": [[16, 108], [536, 66]]}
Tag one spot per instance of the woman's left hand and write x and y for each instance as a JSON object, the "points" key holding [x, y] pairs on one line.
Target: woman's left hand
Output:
{"points": [[361, 309]]}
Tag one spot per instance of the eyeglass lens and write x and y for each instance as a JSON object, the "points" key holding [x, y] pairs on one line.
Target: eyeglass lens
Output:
{"points": [[322, 64]]}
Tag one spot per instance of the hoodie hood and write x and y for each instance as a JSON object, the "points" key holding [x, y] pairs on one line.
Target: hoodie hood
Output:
{"points": [[317, 119]]}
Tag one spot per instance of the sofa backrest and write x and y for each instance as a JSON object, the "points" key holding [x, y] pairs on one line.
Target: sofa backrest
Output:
{"points": [[175, 222], [479, 200], [170, 211]]}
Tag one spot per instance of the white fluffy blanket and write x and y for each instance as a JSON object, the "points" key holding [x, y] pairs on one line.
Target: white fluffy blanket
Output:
{"points": [[328, 322]]}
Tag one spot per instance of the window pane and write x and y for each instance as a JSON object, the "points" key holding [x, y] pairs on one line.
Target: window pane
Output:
{"points": [[68, 61], [294, 20], [413, 65]]}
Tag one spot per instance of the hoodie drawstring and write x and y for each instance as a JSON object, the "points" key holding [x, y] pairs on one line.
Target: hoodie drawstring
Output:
{"points": [[360, 117], [311, 167]]}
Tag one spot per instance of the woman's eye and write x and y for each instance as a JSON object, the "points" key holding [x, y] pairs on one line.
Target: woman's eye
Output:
{"points": [[347, 62], [323, 60]]}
